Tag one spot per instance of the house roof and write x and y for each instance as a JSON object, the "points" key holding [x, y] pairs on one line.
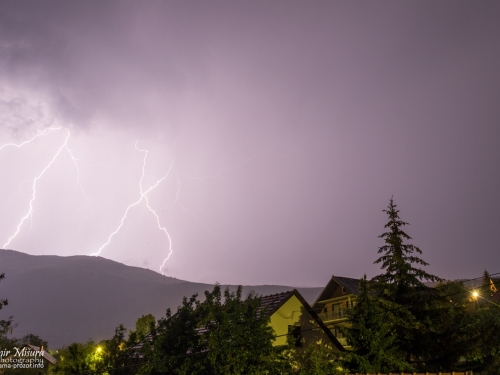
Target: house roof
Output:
{"points": [[44, 353], [271, 303], [350, 284]]}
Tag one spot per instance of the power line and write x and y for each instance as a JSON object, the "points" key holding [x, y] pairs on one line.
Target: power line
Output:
{"points": [[399, 307], [290, 333], [431, 299]]}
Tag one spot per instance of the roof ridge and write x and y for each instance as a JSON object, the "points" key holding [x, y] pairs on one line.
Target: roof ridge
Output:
{"points": [[344, 277], [276, 294]]}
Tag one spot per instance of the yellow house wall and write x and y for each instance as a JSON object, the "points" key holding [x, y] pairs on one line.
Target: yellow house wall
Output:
{"points": [[294, 313], [286, 315]]}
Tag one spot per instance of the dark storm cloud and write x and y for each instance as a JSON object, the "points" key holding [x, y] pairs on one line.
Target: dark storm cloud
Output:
{"points": [[325, 108], [93, 58]]}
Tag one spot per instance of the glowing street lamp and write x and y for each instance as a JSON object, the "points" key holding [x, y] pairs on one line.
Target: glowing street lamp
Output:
{"points": [[475, 294]]}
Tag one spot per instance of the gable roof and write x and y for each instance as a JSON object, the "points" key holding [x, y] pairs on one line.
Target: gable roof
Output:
{"points": [[271, 303], [43, 352], [350, 284]]}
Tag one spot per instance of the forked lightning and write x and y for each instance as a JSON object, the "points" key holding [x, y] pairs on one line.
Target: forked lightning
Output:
{"points": [[143, 197]]}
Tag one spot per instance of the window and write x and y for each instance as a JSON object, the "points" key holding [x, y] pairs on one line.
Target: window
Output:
{"points": [[296, 335], [343, 290]]}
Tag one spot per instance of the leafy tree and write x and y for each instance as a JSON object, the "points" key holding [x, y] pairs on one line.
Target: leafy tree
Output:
{"points": [[6, 325], [222, 335], [443, 337], [237, 337], [175, 337], [117, 355], [9, 343], [144, 325], [484, 354], [33, 340], [76, 359], [3, 302], [370, 333], [315, 359]]}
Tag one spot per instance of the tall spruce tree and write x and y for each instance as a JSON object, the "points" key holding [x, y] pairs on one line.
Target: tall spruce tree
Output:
{"points": [[401, 279], [402, 284], [486, 279]]}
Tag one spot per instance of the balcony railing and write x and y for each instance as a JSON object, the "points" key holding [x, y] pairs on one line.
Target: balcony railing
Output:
{"points": [[333, 315]]}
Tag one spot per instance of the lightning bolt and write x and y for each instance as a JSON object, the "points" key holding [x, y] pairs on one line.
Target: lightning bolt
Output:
{"points": [[64, 146], [29, 214], [39, 134], [143, 191], [75, 162], [143, 197]]}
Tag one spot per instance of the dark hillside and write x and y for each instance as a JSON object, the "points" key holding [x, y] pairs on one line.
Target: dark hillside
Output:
{"points": [[68, 299]]}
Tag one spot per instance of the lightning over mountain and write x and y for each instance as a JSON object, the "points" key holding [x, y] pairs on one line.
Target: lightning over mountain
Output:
{"points": [[144, 198], [64, 146], [61, 148]]}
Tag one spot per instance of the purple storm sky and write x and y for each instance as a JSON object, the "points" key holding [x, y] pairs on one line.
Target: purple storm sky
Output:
{"points": [[281, 130]]}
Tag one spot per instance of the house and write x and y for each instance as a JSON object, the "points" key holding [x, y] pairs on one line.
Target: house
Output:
{"points": [[289, 312], [338, 296]]}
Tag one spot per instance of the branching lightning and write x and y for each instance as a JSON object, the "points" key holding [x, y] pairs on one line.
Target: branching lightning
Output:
{"points": [[64, 147], [143, 191], [143, 197], [29, 214], [39, 134]]}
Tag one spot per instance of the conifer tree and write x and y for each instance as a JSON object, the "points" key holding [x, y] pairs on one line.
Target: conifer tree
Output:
{"points": [[402, 284], [401, 279], [486, 278]]}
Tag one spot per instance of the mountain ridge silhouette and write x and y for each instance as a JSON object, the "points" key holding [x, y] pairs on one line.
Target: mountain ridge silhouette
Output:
{"points": [[77, 298]]}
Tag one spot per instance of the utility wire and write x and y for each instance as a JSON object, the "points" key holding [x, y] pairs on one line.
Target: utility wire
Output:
{"points": [[331, 324], [442, 286], [289, 333]]}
